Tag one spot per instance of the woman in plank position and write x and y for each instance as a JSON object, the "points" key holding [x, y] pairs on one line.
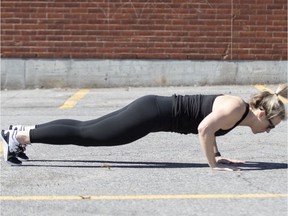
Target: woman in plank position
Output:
{"points": [[208, 116]]}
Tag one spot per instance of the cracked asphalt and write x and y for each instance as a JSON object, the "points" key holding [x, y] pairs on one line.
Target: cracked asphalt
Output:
{"points": [[161, 174]]}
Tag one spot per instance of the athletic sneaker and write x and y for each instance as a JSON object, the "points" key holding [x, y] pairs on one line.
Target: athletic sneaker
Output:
{"points": [[11, 147], [21, 155]]}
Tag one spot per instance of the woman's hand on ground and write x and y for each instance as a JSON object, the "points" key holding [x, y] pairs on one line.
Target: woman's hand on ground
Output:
{"points": [[225, 164], [226, 167]]}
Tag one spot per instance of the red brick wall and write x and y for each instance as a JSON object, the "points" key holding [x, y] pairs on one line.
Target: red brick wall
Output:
{"points": [[145, 29]]}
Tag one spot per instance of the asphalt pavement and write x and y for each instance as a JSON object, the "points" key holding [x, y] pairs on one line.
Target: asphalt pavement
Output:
{"points": [[160, 174]]}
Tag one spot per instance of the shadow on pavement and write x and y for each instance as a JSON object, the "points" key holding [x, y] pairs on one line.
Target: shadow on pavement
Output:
{"points": [[248, 166], [252, 165]]}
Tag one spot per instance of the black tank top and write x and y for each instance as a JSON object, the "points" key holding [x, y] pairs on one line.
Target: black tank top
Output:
{"points": [[189, 110]]}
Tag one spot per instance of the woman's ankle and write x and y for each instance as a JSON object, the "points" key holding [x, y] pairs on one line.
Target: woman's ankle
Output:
{"points": [[23, 137]]}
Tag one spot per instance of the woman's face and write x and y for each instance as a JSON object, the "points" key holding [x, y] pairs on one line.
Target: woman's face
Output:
{"points": [[263, 124]]}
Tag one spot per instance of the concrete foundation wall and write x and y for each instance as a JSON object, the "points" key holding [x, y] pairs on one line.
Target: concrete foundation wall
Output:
{"points": [[61, 73]]}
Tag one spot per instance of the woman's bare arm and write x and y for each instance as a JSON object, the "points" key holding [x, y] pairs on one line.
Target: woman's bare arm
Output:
{"points": [[223, 116]]}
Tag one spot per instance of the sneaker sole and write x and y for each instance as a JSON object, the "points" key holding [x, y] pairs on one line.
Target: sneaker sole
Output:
{"points": [[13, 164], [22, 159], [5, 147]]}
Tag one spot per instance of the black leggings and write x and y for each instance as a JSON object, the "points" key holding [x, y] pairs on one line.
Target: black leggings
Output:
{"points": [[145, 115]]}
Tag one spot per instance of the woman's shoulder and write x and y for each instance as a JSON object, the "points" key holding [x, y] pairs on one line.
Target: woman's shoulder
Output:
{"points": [[231, 102]]}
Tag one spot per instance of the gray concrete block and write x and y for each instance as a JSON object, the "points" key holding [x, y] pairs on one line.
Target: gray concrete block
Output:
{"points": [[46, 73], [79, 73], [13, 74]]}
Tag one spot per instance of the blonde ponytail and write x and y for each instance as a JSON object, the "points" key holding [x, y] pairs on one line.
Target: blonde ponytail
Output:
{"points": [[282, 91], [271, 103]]}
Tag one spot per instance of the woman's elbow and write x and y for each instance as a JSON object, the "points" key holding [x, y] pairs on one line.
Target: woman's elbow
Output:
{"points": [[204, 129]]}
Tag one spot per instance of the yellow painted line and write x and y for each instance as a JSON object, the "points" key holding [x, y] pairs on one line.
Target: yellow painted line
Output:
{"points": [[264, 88], [74, 99], [144, 197]]}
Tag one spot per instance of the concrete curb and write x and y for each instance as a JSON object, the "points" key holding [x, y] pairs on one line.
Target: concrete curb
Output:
{"points": [[79, 73]]}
